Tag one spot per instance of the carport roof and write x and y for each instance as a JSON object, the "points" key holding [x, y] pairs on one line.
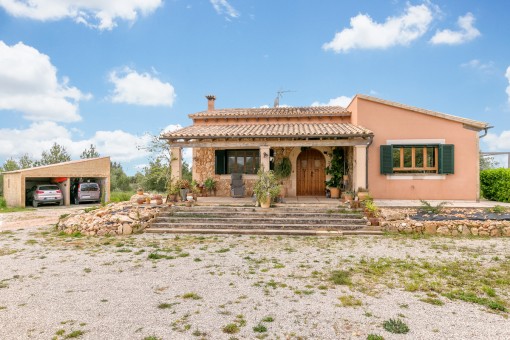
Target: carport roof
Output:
{"points": [[57, 165]]}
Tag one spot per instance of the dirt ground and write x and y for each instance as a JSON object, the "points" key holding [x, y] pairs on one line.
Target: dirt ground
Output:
{"points": [[38, 217]]}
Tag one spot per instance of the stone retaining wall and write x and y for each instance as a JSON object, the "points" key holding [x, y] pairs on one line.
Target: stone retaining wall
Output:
{"points": [[394, 221]]}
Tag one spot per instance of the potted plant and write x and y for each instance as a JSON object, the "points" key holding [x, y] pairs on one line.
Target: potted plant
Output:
{"points": [[372, 211], [348, 196], [336, 170], [183, 186], [172, 191], [195, 189], [363, 194], [210, 185], [266, 188], [282, 171]]}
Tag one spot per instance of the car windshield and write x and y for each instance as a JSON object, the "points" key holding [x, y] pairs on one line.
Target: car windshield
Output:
{"points": [[48, 187], [89, 187]]}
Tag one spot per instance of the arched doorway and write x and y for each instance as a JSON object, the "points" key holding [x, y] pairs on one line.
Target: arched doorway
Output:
{"points": [[310, 174]]}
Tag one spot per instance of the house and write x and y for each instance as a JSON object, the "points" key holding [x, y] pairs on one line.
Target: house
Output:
{"points": [[396, 151]]}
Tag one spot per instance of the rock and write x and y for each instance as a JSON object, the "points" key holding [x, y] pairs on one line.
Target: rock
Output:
{"points": [[506, 231], [464, 230], [430, 228], [127, 229], [443, 230], [495, 232], [483, 232], [393, 215], [121, 219], [474, 231]]}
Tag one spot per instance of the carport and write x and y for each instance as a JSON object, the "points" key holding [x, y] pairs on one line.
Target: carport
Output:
{"points": [[17, 182]]}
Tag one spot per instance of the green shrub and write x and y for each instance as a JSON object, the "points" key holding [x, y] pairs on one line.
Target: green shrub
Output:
{"points": [[120, 196], [396, 326], [495, 184], [3, 203]]}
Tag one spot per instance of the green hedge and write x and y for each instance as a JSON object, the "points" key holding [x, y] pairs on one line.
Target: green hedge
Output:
{"points": [[495, 184], [120, 196]]}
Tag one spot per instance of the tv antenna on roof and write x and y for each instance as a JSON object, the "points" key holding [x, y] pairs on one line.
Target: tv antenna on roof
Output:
{"points": [[279, 94]]}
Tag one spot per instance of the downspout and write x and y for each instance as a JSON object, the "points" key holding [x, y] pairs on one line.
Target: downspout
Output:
{"points": [[485, 131], [371, 140]]}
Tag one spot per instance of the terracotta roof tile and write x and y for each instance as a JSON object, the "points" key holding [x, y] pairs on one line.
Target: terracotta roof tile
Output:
{"points": [[274, 112], [269, 130]]}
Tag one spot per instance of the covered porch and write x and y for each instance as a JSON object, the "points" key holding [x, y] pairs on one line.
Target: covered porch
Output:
{"points": [[219, 151]]}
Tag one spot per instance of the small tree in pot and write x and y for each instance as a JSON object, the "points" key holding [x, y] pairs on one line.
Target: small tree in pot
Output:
{"points": [[183, 185], [282, 170], [266, 187], [210, 185], [336, 170]]}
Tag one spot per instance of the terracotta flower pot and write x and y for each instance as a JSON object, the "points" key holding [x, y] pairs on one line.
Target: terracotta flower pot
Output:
{"points": [[266, 204], [335, 192], [140, 200]]}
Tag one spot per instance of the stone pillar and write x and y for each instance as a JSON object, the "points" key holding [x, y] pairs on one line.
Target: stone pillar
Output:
{"points": [[359, 172], [264, 157], [176, 162], [67, 192]]}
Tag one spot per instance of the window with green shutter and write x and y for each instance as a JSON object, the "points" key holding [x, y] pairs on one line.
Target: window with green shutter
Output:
{"points": [[219, 162], [237, 161], [424, 159]]}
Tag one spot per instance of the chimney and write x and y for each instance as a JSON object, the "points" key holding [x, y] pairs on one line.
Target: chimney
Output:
{"points": [[210, 102]]}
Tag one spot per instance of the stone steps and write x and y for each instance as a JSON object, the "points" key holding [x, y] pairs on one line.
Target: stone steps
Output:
{"points": [[280, 220]]}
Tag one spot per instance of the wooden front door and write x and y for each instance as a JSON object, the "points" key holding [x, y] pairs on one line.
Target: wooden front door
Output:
{"points": [[311, 173]]}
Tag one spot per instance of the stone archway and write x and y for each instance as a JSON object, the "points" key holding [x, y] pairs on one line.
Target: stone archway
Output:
{"points": [[310, 174]]}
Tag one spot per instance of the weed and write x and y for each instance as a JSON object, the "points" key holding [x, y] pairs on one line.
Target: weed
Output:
{"points": [[428, 208], [350, 301], [340, 277], [231, 328], [374, 337], [396, 326], [152, 337], [472, 297], [157, 256], [497, 209], [193, 296], [223, 250], [432, 301], [89, 209], [87, 270], [74, 334], [60, 332], [260, 328], [165, 305], [268, 319]]}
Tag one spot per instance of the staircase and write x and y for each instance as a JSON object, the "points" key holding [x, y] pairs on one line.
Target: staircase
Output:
{"points": [[282, 220]]}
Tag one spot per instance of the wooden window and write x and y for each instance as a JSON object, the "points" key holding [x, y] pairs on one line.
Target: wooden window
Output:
{"points": [[434, 159], [237, 161]]}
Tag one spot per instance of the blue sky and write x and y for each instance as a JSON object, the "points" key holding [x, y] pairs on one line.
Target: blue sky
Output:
{"points": [[109, 72]]}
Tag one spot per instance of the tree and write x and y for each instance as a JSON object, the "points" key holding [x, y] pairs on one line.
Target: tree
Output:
{"points": [[26, 162], [9, 165], [90, 153], [487, 162], [119, 180], [57, 154], [186, 171], [156, 176]]}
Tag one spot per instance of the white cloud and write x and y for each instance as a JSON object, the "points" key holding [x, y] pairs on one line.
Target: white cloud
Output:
{"points": [[478, 65], [171, 128], [119, 145], [223, 7], [132, 87], [467, 32], [29, 84], [497, 142], [98, 14], [364, 33], [507, 75], [342, 101]]}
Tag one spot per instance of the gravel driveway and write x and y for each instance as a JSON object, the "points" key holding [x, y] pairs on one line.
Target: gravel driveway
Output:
{"points": [[225, 287]]}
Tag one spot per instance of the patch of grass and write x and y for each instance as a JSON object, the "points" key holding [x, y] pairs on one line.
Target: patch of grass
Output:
{"points": [[120, 196], [89, 209], [374, 337], [231, 328], [157, 256], [193, 296], [152, 337], [74, 334], [340, 277], [260, 328], [223, 250], [349, 301], [432, 301], [165, 305], [472, 297], [268, 319], [60, 332], [87, 270], [497, 209], [395, 326]]}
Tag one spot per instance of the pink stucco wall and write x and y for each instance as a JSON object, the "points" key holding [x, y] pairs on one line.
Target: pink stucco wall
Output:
{"points": [[393, 123]]}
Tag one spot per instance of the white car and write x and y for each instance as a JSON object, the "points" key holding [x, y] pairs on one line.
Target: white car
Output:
{"points": [[44, 193]]}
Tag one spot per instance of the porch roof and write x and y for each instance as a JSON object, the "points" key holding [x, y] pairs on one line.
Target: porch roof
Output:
{"points": [[277, 130]]}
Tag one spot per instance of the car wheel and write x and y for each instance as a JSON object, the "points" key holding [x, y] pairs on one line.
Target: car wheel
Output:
{"points": [[34, 203]]}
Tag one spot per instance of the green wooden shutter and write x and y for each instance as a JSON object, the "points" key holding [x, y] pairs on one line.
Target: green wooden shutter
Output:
{"points": [[386, 159], [219, 156], [446, 159]]}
